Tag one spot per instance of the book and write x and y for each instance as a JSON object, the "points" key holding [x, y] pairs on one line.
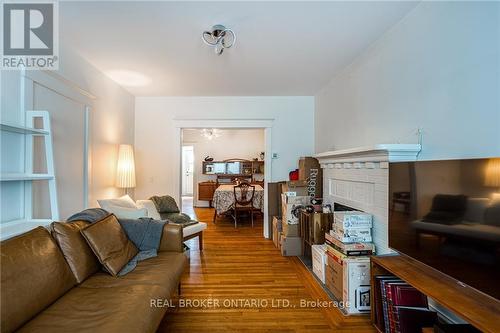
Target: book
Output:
{"points": [[406, 295], [402, 294], [378, 304], [413, 319], [385, 307], [390, 314]]}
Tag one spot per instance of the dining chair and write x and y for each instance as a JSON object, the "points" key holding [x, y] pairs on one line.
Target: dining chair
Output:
{"points": [[243, 200]]}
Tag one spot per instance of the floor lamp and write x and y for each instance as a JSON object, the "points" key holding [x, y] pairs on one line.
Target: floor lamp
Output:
{"points": [[125, 168]]}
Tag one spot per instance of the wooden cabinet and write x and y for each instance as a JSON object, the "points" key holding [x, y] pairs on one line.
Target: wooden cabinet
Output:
{"points": [[235, 166], [206, 191]]}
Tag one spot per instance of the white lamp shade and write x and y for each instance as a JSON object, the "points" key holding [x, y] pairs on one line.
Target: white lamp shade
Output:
{"points": [[493, 173], [125, 169]]}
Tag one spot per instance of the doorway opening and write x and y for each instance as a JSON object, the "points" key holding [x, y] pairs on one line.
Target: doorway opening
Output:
{"points": [[184, 126], [187, 173], [223, 158]]}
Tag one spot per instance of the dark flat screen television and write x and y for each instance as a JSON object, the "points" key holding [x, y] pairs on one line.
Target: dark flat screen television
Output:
{"points": [[446, 214]]}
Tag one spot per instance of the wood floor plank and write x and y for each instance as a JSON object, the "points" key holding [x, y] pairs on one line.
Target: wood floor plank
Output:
{"points": [[239, 265]]}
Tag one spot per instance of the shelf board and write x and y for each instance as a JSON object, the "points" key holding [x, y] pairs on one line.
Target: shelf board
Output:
{"points": [[477, 308], [22, 129], [25, 176], [13, 228]]}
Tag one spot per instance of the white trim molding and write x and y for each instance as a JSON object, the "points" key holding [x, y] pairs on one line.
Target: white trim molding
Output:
{"points": [[223, 123], [376, 153]]}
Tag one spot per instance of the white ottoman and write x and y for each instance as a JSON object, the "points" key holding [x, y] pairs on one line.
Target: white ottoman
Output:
{"points": [[192, 231]]}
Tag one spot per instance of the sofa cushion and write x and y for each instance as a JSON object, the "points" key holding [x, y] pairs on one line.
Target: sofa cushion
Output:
{"points": [[103, 303], [75, 249], [150, 206], [34, 274], [164, 271], [110, 244], [127, 212], [165, 204], [124, 201], [103, 310]]}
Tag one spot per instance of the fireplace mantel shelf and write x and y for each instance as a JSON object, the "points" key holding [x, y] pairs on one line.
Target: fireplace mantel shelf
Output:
{"points": [[379, 152]]}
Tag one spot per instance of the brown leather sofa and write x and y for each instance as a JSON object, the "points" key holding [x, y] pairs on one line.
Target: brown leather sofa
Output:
{"points": [[40, 293]]}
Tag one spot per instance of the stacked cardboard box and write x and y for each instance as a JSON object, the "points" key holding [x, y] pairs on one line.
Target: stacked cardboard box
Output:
{"points": [[352, 227], [319, 260], [348, 247], [289, 202], [274, 201], [291, 246], [311, 172], [294, 194], [277, 230], [348, 278]]}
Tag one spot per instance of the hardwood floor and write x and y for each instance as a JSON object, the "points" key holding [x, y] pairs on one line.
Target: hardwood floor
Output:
{"points": [[239, 265]]}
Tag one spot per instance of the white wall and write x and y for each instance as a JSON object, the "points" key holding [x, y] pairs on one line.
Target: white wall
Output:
{"points": [[233, 143], [111, 123], [292, 132], [438, 69]]}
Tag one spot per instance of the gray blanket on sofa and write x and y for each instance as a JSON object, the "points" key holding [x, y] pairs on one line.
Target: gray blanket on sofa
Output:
{"points": [[145, 233]]}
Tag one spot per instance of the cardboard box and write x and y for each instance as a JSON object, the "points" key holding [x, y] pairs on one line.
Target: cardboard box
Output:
{"points": [[349, 281], [311, 172], [297, 186], [291, 246], [291, 230], [334, 276], [289, 202], [288, 198], [350, 248], [277, 228], [356, 284], [318, 253], [352, 219], [361, 235], [321, 223], [274, 198]]}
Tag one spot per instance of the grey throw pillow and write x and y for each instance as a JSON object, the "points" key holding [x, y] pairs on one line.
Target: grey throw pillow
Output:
{"points": [[165, 204]]}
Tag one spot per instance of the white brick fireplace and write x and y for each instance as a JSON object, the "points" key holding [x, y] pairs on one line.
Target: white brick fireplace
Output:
{"points": [[359, 178]]}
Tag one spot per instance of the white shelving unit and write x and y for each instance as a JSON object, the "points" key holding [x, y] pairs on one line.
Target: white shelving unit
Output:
{"points": [[15, 227], [6, 177], [22, 129]]}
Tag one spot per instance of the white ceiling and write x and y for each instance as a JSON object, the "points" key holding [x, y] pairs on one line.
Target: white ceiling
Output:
{"points": [[283, 48]]}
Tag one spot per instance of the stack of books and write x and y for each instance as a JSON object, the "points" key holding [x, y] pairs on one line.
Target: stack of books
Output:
{"points": [[402, 308]]}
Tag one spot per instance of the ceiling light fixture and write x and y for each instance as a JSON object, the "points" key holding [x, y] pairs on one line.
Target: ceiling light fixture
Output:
{"points": [[210, 133], [219, 37]]}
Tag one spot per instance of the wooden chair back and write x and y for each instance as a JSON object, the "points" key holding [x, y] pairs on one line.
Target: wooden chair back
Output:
{"points": [[241, 197]]}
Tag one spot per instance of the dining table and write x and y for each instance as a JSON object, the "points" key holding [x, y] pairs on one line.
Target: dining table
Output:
{"points": [[223, 200]]}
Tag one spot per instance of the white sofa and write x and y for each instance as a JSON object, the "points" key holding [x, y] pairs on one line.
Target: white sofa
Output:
{"points": [[125, 207], [192, 231]]}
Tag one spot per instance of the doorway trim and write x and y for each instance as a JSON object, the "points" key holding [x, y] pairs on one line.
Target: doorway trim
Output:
{"points": [[262, 123]]}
